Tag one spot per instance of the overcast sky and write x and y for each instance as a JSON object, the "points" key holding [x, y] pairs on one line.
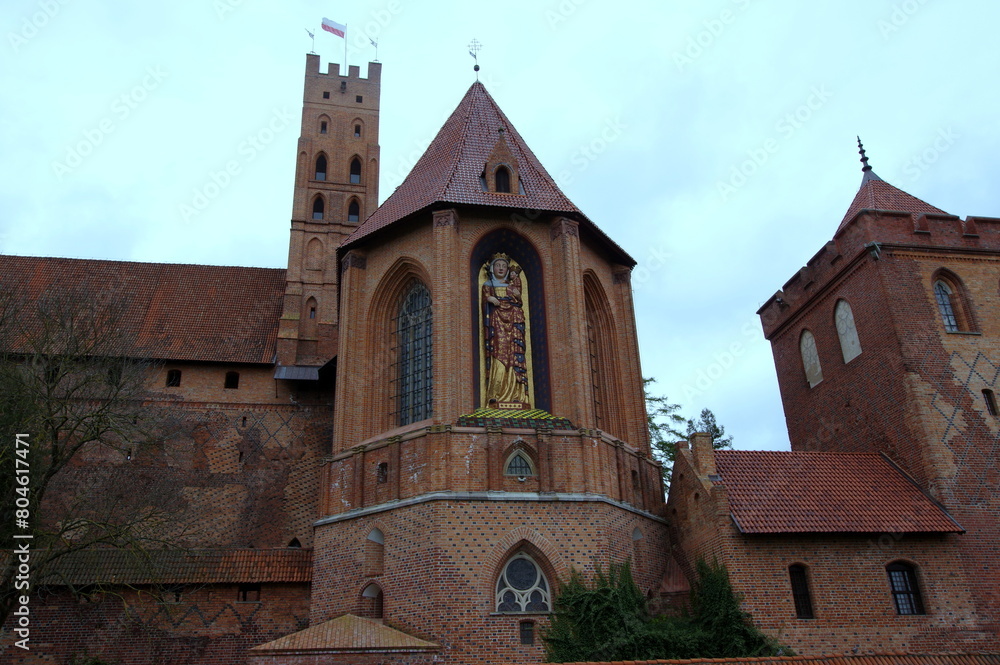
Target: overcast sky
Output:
{"points": [[714, 140]]}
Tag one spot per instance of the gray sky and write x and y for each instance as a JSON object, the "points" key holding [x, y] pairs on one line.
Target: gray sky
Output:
{"points": [[714, 141]]}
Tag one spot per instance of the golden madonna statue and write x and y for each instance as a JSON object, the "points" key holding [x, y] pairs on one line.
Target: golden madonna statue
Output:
{"points": [[505, 365]]}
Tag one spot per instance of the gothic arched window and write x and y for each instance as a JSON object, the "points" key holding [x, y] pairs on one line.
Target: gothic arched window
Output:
{"points": [[354, 211], [519, 465], [318, 207], [522, 586], [355, 171], [503, 179], [321, 167], [850, 345], [943, 294], [413, 355], [810, 359]]}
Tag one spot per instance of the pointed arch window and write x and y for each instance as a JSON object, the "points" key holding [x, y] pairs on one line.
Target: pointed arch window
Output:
{"points": [[374, 553], [318, 207], [850, 345], [943, 294], [355, 171], [503, 179], [314, 248], [519, 465], [354, 211], [810, 359], [413, 355], [522, 587], [321, 167]]}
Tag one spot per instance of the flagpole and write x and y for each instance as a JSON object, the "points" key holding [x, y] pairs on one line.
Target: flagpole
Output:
{"points": [[345, 50]]}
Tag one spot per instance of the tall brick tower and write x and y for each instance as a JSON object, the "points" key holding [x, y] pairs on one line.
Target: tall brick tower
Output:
{"points": [[336, 187], [490, 427], [887, 341]]}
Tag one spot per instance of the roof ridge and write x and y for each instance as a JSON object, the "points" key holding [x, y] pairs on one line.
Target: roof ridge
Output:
{"points": [[457, 157]]}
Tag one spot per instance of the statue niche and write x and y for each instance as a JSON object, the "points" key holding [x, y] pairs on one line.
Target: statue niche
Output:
{"points": [[505, 358]]}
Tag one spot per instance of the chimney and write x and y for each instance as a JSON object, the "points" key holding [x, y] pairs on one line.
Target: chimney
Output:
{"points": [[702, 453]]}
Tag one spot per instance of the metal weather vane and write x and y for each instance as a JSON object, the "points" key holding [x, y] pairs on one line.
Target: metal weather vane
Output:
{"points": [[312, 36]]}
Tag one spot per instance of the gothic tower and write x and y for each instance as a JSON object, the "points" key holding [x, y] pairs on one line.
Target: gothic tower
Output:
{"points": [[886, 341], [336, 187], [490, 427]]}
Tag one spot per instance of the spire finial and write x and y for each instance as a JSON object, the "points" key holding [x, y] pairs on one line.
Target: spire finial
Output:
{"points": [[864, 157], [474, 48]]}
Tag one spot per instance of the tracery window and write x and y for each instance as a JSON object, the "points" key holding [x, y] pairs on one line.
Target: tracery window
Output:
{"points": [[413, 355], [518, 465], [850, 345], [810, 359], [522, 586]]}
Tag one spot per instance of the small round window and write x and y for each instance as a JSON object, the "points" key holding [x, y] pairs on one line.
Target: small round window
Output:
{"points": [[522, 586]]}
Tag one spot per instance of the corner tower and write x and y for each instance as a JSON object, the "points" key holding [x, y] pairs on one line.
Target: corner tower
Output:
{"points": [[336, 188], [888, 341]]}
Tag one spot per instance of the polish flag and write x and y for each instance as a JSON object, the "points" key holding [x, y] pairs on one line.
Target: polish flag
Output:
{"points": [[334, 27]]}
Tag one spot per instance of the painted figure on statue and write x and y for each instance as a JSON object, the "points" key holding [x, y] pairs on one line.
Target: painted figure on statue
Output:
{"points": [[504, 335]]}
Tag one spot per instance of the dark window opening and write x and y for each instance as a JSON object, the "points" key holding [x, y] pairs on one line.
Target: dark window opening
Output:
{"points": [[382, 473], [800, 591], [905, 592], [991, 401], [503, 180], [357, 131], [173, 378], [312, 312], [354, 211], [343, 86], [321, 167], [318, 208], [244, 421], [413, 393], [322, 127], [326, 94], [355, 171], [232, 380], [294, 543], [248, 593], [358, 98], [635, 480], [518, 466], [527, 632]]}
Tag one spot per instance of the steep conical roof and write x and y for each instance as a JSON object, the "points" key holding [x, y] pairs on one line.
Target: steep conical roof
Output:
{"points": [[449, 170], [877, 194]]}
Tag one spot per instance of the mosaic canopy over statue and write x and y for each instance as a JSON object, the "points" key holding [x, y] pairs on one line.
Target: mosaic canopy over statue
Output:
{"points": [[505, 339]]}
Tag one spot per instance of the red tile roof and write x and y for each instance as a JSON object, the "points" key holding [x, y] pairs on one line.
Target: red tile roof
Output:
{"points": [[821, 492], [172, 311], [877, 194], [347, 633], [878, 659], [107, 566], [449, 170]]}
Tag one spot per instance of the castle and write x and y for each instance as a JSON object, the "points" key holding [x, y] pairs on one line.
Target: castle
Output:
{"points": [[392, 451]]}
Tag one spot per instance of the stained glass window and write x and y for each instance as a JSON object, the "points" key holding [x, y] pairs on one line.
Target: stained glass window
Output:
{"points": [[413, 346], [519, 466]]}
